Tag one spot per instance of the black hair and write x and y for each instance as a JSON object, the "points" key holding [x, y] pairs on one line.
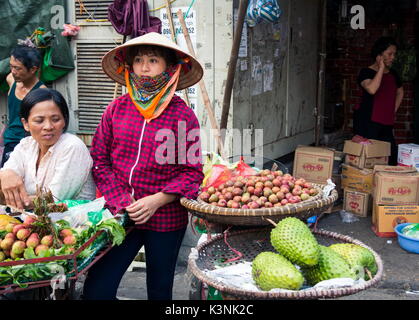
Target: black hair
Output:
{"points": [[29, 57], [44, 94], [382, 45], [167, 54]]}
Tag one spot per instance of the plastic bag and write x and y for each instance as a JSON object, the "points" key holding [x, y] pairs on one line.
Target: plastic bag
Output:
{"points": [[262, 10], [348, 217], [219, 175], [243, 169], [78, 215], [412, 230]]}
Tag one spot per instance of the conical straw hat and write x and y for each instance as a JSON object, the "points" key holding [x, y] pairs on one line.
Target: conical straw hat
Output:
{"points": [[110, 64]]}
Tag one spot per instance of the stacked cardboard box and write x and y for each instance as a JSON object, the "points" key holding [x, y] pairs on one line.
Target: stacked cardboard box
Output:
{"points": [[358, 175], [408, 155], [395, 199], [366, 156], [314, 164]]}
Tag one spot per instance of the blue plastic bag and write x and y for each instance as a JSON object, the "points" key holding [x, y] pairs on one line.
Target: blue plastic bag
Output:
{"points": [[262, 10]]}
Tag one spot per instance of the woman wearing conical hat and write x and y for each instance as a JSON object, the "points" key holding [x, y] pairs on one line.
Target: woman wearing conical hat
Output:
{"points": [[146, 156]]}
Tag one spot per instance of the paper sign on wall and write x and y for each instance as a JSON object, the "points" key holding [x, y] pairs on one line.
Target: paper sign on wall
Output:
{"points": [[190, 22]]}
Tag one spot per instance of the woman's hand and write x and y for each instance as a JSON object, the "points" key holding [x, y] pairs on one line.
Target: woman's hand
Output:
{"points": [[14, 190], [380, 62], [140, 211]]}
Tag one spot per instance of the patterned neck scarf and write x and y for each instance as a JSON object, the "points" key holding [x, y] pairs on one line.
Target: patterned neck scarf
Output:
{"points": [[151, 95]]}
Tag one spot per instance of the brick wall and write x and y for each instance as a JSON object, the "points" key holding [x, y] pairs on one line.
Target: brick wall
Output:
{"points": [[349, 50]]}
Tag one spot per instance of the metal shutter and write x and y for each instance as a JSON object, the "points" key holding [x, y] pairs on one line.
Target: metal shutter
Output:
{"points": [[92, 9], [94, 88]]}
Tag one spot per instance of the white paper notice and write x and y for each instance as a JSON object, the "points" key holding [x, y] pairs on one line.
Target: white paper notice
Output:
{"points": [[257, 76], [190, 22], [268, 76]]}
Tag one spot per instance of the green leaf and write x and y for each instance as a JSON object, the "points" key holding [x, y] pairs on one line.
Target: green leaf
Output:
{"points": [[63, 224], [114, 229], [29, 253]]}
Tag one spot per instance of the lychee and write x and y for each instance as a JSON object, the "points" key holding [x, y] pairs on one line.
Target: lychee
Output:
{"points": [[47, 240], [72, 239], [23, 234], [17, 227], [29, 220], [18, 247], [7, 243], [41, 248], [33, 241], [65, 233], [10, 235]]}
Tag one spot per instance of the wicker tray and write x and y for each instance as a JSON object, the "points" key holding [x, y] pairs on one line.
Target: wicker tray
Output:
{"points": [[250, 243], [255, 217]]}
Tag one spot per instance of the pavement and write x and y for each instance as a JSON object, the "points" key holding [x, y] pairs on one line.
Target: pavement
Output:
{"points": [[399, 282]]}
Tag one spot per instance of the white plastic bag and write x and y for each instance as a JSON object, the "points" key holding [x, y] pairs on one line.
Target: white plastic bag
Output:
{"points": [[78, 215]]}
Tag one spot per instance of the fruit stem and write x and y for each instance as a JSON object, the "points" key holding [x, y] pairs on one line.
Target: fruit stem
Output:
{"points": [[368, 273], [270, 221]]}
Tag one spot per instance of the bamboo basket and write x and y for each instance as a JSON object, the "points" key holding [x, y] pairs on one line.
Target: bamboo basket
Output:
{"points": [[211, 254], [256, 217]]}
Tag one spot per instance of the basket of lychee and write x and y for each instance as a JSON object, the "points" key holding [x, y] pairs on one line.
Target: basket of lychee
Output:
{"points": [[31, 235], [247, 200], [32, 250]]}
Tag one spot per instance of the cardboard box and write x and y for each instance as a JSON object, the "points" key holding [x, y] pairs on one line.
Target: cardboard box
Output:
{"points": [[408, 155], [361, 180], [313, 164], [386, 218], [366, 155], [396, 189], [359, 203], [393, 169]]}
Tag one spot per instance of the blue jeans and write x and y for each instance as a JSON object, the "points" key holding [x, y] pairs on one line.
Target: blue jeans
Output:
{"points": [[161, 252]]}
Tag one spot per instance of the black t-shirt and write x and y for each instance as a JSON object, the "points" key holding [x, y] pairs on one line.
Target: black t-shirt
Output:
{"points": [[362, 114]]}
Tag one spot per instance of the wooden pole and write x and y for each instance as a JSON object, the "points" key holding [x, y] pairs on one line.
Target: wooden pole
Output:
{"points": [[115, 91], [232, 64], [173, 34], [204, 92], [321, 74]]}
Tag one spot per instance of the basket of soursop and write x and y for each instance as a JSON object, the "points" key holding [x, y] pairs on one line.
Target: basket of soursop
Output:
{"points": [[238, 194], [288, 261]]}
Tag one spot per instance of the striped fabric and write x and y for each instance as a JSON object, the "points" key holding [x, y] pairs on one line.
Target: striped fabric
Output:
{"points": [[262, 10], [126, 159]]}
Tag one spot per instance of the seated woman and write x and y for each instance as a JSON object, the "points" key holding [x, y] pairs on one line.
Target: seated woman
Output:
{"points": [[49, 158]]}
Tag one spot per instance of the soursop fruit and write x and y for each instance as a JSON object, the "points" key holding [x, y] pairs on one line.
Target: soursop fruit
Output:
{"points": [[293, 239], [359, 258], [271, 270], [331, 265]]}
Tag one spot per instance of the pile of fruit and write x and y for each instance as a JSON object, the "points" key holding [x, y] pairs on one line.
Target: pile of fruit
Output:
{"points": [[267, 189], [301, 259], [22, 240]]}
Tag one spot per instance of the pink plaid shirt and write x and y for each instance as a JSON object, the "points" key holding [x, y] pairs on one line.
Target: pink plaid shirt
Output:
{"points": [[127, 159]]}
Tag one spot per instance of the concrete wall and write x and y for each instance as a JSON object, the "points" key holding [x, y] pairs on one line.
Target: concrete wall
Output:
{"points": [[277, 79], [276, 75]]}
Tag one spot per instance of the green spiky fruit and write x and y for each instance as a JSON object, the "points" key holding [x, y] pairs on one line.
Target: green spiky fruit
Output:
{"points": [[331, 265], [293, 239], [271, 270], [359, 258]]}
